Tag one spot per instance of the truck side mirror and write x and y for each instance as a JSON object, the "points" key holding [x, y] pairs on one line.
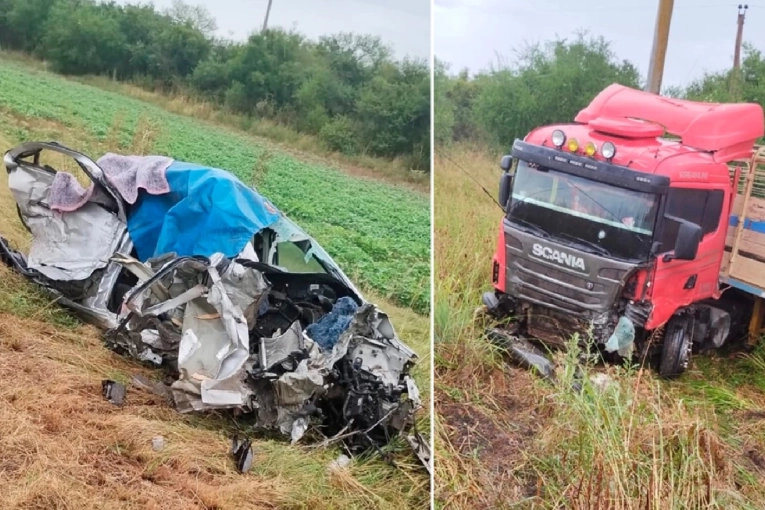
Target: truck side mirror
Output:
{"points": [[505, 185], [687, 242], [506, 162]]}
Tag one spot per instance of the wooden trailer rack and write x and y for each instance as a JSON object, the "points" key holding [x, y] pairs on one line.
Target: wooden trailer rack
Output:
{"points": [[743, 264]]}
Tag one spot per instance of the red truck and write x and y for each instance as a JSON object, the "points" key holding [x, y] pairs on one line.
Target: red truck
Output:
{"points": [[639, 226]]}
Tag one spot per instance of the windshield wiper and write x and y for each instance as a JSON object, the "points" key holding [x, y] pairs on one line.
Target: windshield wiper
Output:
{"points": [[596, 247], [530, 226]]}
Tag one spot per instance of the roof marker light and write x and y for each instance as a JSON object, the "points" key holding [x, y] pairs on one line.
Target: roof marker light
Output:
{"points": [[558, 138], [608, 150]]}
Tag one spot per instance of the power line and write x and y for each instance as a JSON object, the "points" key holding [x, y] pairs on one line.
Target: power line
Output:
{"points": [[446, 156]]}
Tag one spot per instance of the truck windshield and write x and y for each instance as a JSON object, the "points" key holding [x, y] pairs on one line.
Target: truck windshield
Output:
{"points": [[591, 215]]}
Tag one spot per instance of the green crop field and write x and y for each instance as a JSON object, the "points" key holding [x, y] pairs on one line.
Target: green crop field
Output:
{"points": [[378, 233]]}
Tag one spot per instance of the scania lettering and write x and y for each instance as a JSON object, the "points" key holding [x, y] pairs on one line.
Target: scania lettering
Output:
{"points": [[548, 253], [644, 219]]}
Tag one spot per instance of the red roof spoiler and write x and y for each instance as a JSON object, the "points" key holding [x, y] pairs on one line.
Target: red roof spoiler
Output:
{"points": [[729, 130]]}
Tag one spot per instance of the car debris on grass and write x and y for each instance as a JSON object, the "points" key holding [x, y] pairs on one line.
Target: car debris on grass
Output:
{"points": [[113, 391], [186, 268]]}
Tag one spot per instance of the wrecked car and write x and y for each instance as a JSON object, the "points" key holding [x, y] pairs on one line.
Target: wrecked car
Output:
{"points": [[185, 267]]}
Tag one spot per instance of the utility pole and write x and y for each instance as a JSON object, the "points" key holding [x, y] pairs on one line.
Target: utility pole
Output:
{"points": [[268, 11], [739, 36], [736, 74], [659, 49]]}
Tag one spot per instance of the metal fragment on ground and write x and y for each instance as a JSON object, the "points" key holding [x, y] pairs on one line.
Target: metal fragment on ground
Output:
{"points": [[523, 352], [153, 387], [421, 449], [113, 391], [243, 454]]}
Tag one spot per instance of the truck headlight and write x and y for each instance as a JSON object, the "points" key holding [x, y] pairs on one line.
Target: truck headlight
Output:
{"points": [[608, 150], [558, 138]]}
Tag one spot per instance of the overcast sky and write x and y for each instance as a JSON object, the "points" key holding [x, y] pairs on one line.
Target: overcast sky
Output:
{"points": [[402, 24], [469, 33]]}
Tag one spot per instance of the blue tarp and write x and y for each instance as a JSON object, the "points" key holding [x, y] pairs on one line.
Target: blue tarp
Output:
{"points": [[207, 211]]}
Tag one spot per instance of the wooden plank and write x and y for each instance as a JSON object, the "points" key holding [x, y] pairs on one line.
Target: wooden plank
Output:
{"points": [[736, 246], [751, 242], [755, 210], [746, 270]]}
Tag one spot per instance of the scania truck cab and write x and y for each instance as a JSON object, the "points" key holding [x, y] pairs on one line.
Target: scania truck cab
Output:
{"points": [[632, 226]]}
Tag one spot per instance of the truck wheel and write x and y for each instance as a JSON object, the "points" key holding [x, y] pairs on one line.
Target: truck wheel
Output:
{"points": [[676, 352]]}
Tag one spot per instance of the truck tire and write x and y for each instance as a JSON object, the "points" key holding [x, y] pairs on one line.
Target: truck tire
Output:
{"points": [[676, 351]]}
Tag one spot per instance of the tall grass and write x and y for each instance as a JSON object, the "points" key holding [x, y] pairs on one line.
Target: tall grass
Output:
{"points": [[621, 442], [507, 439], [465, 222]]}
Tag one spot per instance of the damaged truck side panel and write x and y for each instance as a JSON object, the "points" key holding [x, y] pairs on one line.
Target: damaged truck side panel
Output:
{"points": [[292, 350]]}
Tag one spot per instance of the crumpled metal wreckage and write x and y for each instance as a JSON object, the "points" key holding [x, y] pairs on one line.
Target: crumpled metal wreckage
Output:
{"points": [[185, 273]]}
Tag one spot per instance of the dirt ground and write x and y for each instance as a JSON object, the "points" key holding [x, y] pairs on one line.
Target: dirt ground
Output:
{"points": [[494, 430]]}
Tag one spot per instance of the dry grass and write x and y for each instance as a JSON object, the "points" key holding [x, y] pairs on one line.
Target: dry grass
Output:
{"points": [[505, 439], [64, 446]]}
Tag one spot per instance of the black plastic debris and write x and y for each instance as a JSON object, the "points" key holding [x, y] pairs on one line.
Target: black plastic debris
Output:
{"points": [[523, 352], [113, 391], [243, 454]]}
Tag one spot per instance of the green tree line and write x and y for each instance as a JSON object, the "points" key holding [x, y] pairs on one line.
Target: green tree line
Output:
{"points": [[346, 89], [552, 81]]}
